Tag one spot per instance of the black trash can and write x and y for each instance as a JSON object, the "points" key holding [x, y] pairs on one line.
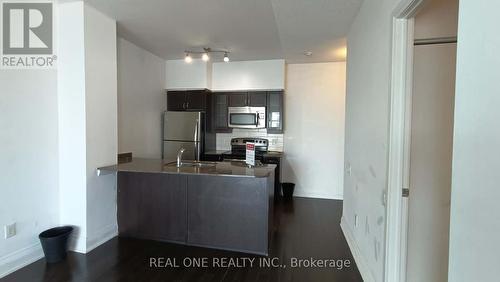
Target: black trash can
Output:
{"points": [[287, 190], [55, 243]]}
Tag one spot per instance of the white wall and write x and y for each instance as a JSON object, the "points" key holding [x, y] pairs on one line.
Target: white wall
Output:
{"points": [[314, 129], [475, 217], [54, 131], [222, 76], [248, 75], [182, 75], [88, 123], [101, 125], [141, 100], [71, 106], [28, 163], [366, 142]]}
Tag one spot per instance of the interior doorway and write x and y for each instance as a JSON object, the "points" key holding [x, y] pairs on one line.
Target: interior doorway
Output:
{"points": [[420, 150], [431, 141]]}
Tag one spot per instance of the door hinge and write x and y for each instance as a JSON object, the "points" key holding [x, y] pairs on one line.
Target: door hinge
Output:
{"points": [[406, 192]]}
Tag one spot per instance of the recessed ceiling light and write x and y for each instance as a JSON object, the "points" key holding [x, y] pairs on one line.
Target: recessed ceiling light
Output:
{"points": [[308, 53]]}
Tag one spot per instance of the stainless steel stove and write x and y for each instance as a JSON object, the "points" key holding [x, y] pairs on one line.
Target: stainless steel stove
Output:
{"points": [[238, 148]]}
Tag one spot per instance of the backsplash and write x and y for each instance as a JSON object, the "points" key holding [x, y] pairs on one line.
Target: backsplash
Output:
{"points": [[275, 140]]}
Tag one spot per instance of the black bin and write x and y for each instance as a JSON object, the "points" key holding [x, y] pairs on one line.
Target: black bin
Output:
{"points": [[55, 243], [287, 190]]}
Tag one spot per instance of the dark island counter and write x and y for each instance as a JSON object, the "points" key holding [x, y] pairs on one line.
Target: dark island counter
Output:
{"points": [[233, 168], [225, 205]]}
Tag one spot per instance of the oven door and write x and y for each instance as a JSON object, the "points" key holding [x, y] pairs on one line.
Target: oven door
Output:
{"points": [[246, 117]]}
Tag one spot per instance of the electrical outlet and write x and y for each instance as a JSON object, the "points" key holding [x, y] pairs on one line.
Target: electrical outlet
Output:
{"points": [[348, 169], [355, 220], [9, 230]]}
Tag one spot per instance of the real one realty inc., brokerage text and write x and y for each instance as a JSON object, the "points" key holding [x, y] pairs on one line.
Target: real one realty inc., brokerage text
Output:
{"points": [[242, 262]]}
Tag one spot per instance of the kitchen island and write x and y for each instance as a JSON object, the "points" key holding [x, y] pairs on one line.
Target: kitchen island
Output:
{"points": [[223, 205]]}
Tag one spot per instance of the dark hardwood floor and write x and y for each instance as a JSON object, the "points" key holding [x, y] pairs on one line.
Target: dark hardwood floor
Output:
{"points": [[308, 228]]}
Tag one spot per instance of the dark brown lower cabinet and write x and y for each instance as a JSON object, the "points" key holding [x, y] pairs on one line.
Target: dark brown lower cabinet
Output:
{"points": [[229, 213], [224, 212], [152, 206]]}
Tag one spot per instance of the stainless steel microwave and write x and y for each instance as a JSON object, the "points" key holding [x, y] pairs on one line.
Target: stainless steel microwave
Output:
{"points": [[246, 117]]}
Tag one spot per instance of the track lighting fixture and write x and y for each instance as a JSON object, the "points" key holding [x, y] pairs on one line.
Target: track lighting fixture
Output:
{"points": [[205, 54]]}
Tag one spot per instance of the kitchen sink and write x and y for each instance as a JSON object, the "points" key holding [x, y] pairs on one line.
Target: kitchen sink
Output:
{"points": [[193, 164]]}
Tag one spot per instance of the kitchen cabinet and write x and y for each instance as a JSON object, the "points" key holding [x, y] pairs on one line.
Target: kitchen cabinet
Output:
{"points": [[257, 99], [275, 111], [221, 102], [247, 99], [237, 99], [176, 100], [272, 100], [188, 100], [153, 206], [233, 213], [212, 157]]}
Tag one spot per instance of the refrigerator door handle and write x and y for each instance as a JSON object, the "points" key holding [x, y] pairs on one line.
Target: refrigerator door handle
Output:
{"points": [[163, 115], [196, 143], [196, 131]]}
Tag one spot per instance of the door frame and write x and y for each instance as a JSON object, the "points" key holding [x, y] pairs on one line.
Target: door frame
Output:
{"points": [[399, 140]]}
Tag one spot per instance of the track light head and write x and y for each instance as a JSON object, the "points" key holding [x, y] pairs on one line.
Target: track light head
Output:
{"points": [[188, 58]]}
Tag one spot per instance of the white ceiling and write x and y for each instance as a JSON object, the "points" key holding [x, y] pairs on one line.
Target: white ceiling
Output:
{"points": [[250, 29]]}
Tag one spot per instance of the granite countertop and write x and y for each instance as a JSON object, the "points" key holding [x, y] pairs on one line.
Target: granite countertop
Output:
{"points": [[220, 168]]}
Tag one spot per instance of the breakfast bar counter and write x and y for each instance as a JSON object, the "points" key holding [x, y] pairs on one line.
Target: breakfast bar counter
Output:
{"points": [[223, 205], [233, 168]]}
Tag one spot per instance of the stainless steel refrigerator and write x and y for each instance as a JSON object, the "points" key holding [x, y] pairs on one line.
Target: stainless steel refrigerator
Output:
{"points": [[183, 129]]}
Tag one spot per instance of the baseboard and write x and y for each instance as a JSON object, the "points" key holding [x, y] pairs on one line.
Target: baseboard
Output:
{"points": [[305, 194], [360, 260], [20, 258], [76, 244], [102, 236]]}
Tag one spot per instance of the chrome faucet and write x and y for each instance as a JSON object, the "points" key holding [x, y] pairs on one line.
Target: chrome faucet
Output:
{"points": [[179, 156]]}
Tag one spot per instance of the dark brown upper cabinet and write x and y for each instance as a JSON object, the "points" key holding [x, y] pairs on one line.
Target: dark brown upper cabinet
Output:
{"points": [[187, 100], [275, 111], [257, 99], [176, 100], [247, 99], [272, 100], [221, 102], [237, 99]]}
